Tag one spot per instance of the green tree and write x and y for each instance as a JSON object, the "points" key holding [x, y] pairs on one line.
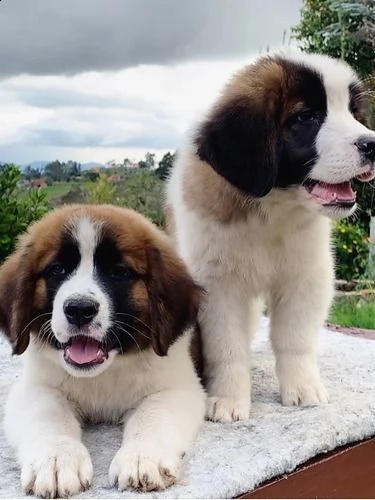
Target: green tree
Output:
{"points": [[143, 164], [342, 29], [16, 212], [150, 159], [165, 165], [148, 162], [72, 169], [91, 175], [55, 171], [127, 163], [31, 173]]}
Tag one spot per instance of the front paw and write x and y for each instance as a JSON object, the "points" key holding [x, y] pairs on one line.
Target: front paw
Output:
{"points": [[227, 410], [300, 384], [60, 469], [140, 468]]}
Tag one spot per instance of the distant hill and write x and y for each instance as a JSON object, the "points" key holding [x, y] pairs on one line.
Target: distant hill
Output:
{"points": [[91, 164], [40, 165]]}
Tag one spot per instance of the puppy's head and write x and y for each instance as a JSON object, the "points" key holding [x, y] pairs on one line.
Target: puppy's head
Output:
{"points": [[290, 121], [93, 282]]}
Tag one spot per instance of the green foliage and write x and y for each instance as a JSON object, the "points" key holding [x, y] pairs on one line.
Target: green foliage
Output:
{"points": [[342, 29], [58, 171], [352, 250], [150, 159], [16, 213], [101, 191], [148, 162], [165, 165], [354, 311], [139, 189], [143, 164], [142, 191], [31, 173], [91, 175], [366, 202]]}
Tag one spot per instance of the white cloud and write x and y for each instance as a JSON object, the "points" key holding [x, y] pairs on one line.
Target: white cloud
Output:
{"points": [[106, 115]]}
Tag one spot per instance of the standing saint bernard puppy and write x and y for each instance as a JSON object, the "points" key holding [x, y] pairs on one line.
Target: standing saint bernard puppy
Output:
{"points": [[249, 203], [102, 307]]}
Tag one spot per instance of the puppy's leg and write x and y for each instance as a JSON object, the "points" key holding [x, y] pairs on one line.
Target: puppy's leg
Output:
{"points": [[157, 435], [224, 322], [40, 424], [299, 306]]}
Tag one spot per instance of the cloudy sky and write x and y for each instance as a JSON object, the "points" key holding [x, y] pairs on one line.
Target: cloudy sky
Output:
{"points": [[95, 80]]}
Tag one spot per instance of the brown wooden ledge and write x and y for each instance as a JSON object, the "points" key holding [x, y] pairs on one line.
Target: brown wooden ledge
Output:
{"points": [[347, 472]]}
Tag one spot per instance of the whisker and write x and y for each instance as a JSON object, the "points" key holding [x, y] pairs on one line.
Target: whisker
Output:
{"points": [[32, 321], [134, 340], [130, 335], [115, 334], [137, 319], [127, 325]]}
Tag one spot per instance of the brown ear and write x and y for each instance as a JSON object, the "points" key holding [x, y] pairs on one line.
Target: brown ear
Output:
{"points": [[174, 299], [16, 297]]}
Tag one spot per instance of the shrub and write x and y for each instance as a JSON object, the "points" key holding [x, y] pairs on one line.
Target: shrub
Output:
{"points": [[352, 250], [143, 191], [101, 191], [16, 213], [139, 189]]}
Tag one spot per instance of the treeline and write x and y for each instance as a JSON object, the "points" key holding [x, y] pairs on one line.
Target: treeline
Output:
{"points": [[59, 171]]}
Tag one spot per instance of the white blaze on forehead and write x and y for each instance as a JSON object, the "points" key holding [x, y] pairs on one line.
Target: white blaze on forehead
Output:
{"points": [[87, 233], [82, 282]]}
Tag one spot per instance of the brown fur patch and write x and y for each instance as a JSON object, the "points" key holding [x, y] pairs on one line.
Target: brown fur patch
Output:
{"points": [[40, 294], [212, 196]]}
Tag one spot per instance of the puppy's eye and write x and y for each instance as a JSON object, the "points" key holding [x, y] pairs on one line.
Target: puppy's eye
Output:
{"points": [[57, 269], [308, 115], [121, 271]]}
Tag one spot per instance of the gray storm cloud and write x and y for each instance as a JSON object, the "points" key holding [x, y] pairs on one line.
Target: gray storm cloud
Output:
{"points": [[72, 36]]}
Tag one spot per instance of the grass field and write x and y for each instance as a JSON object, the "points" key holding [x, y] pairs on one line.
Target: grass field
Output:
{"points": [[59, 189], [354, 311]]}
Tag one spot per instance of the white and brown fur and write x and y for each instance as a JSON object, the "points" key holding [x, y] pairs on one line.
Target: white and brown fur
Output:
{"points": [[246, 225], [145, 303]]}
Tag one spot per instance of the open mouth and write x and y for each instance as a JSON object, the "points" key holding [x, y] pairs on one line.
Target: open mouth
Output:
{"points": [[332, 194], [84, 352], [337, 195]]}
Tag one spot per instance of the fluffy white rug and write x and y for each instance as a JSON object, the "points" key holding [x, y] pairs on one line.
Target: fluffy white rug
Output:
{"points": [[228, 460]]}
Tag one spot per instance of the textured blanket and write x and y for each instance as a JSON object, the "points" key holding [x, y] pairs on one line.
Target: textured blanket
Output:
{"points": [[228, 460]]}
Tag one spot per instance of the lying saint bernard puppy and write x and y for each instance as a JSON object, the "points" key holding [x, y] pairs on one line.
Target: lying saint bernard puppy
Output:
{"points": [[102, 307], [249, 203]]}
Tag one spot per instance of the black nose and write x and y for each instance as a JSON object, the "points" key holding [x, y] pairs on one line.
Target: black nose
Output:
{"points": [[80, 312], [366, 146]]}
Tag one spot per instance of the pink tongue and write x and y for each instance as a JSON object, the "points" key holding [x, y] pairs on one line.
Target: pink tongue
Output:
{"points": [[327, 193], [84, 350]]}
